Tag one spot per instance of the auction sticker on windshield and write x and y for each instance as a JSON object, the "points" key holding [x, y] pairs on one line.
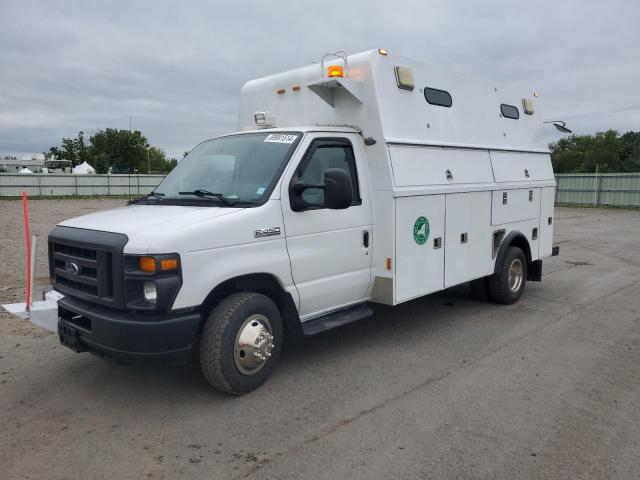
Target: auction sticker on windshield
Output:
{"points": [[280, 138]]}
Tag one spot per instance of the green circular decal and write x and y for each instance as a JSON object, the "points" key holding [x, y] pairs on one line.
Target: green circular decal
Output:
{"points": [[421, 230]]}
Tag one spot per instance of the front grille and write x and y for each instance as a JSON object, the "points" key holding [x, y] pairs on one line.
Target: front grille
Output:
{"points": [[78, 286], [87, 264]]}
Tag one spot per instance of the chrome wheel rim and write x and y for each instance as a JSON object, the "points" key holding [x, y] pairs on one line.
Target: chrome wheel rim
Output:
{"points": [[254, 344], [516, 273]]}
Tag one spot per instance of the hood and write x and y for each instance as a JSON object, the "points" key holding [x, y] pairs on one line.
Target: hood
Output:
{"points": [[146, 219]]}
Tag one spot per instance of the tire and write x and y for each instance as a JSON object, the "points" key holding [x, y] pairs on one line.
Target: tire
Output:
{"points": [[231, 362], [506, 286], [480, 289]]}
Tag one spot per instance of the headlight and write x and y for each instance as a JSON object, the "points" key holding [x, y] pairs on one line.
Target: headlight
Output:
{"points": [[149, 292], [151, 282]]}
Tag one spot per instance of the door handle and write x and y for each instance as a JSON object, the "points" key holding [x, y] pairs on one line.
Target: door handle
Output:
{"points": [[365, 238]]}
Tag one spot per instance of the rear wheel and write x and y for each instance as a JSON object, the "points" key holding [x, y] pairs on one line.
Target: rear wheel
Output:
{"points": [[240, 343], [506, 285]]}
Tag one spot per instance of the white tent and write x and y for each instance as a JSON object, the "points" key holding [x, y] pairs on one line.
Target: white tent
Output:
{"points": [[83, 169], [25, 170]]}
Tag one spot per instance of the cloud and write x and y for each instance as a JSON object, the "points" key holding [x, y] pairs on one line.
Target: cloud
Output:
{"points": [[177, 68]]}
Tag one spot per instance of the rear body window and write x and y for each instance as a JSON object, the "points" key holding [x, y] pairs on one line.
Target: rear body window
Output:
{"points": [[438, 97], [509, 111]]}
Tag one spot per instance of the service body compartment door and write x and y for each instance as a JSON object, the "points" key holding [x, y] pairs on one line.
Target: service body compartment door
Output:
{"points": [[547, 200], [468, 237], [420, 166], [515, 205], [521, 166], [419, 262]]}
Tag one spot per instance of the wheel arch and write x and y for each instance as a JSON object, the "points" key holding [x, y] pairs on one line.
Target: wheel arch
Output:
{"points": [[513, 239], [264, 283]]}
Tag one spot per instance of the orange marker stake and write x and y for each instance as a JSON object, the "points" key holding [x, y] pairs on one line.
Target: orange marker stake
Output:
{"points": [[27, 240]]}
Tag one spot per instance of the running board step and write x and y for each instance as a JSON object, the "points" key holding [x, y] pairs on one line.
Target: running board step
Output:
{"points": [[335, 319]]}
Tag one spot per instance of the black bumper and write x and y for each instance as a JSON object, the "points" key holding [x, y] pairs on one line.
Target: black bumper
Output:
{"points": [[126, 337]]}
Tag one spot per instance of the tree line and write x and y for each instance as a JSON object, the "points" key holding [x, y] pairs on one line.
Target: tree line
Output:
{"points": [[122, 150], [610, 151], [130, 151]]}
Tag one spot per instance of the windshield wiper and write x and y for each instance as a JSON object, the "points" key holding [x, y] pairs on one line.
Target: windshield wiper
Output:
{"points": [[199, 192], [158, 196]]}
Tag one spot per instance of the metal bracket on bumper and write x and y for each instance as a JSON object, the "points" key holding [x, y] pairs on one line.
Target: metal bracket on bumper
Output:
{"points": [[43, 313]]}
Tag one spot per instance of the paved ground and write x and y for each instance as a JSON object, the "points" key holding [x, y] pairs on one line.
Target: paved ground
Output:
{"points": [[443, 387]]}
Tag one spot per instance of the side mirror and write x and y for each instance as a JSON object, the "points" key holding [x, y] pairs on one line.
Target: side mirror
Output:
{"points": [[338, 192], [560, 126]]}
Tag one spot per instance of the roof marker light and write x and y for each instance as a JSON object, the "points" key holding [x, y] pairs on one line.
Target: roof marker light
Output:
{"points": [[296, 88], [335, 71], [280, 91], [383, 51]]}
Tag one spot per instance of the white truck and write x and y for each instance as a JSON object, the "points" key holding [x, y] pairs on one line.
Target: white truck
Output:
{"points": [[369, 178]]}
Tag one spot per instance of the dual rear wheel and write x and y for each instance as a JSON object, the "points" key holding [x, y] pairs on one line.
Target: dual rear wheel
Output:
{"points": [[507, 284]]}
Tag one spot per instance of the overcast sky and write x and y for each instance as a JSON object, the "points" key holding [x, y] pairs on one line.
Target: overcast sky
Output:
{"points": [[177, 67]]}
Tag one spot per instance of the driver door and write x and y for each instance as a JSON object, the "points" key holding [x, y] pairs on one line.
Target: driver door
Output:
{"points": [[329, 250]]}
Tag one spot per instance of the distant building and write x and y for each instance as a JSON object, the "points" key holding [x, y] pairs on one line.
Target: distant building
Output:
{"points": [[12, 164]]}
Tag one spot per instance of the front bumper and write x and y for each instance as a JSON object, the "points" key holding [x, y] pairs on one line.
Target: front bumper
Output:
{"points": [[126, 337]]}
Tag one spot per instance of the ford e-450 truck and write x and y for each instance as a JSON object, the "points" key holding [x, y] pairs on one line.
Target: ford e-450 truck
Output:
{"points": [[368, 178]]}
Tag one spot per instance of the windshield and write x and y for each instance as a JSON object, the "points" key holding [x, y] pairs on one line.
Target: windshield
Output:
{"points": [[238, 169]]}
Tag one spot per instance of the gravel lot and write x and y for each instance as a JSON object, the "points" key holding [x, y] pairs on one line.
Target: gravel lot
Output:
{"points": [[441, 387]]}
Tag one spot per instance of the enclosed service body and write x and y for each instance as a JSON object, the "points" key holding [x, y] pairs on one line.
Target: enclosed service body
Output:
{"points": [[443, 150], [368, 178]]}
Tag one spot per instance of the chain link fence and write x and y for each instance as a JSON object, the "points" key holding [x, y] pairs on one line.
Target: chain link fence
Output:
{"points": [[613, 189], [63, 185], [606, 189]]}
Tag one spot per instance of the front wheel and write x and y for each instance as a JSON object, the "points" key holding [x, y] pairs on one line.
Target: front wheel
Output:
{"points": [[507, 285], [240, 343]]}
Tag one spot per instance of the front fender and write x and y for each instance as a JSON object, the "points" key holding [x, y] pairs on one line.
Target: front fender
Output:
{"points": [[204, 270]]}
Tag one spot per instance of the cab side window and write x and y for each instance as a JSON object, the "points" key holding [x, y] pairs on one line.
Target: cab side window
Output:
{"points": [[322, 155]]}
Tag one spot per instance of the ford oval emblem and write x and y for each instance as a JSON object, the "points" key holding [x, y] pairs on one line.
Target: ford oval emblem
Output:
{"points": [[72, 268]]}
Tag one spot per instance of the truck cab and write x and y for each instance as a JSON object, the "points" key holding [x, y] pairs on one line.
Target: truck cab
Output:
{"points": [[359, 183]]}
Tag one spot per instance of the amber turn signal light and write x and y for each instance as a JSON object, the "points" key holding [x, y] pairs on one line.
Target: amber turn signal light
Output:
{"points": [[148, 264], [167, 264]]}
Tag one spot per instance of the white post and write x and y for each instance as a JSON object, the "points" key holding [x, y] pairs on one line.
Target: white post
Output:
{"points": [[32, 273]]}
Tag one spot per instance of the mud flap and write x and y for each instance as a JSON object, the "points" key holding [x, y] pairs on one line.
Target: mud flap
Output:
{"points": [[534, 271]]}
